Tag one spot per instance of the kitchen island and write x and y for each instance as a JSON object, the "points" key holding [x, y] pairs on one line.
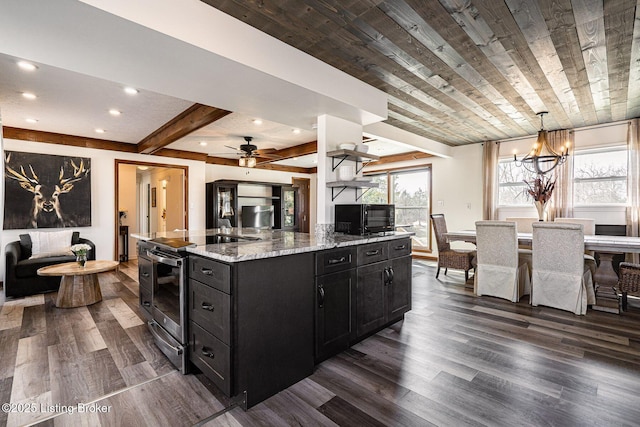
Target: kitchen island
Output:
{"points": [[264, 306]]}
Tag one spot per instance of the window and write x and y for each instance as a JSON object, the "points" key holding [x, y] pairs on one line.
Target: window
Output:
{"points": [[511, 186], [410, 192], [600, 176]]}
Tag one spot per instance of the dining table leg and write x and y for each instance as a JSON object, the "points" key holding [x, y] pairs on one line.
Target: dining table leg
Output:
{"points": [[606, 281]]}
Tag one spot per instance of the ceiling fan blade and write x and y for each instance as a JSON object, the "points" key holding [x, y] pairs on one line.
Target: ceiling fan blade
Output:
{"points": [[233, 148]]}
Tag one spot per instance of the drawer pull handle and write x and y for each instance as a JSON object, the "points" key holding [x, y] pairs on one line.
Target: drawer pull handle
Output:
{"points": [[146, 303], [401, 247], [320, 296], [207, 353], [207, 271], [145, 274], [207, 306], [372, 253], [337, 260]]}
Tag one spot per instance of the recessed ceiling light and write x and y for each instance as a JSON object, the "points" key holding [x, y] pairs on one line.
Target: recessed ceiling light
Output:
{"points": [[294, 158], [28, 95], [131, 90], [143, 168], [203, 143], [257, 121], [99, 130], [30, 120], [28, 66], [296, 131], [114, 112]]}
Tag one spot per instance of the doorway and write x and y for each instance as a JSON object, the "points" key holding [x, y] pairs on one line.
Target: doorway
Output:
{"points": [[302, 186], [150, 197]]}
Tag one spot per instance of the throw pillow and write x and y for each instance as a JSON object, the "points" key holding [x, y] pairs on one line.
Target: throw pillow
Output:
{"points": [[54, 243]]}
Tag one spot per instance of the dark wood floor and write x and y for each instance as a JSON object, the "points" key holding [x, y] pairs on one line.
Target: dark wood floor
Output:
{"points": [[455, 360]]}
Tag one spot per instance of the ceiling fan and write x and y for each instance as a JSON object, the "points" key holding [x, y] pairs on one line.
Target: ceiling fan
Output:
{"points": [[250, 152]]}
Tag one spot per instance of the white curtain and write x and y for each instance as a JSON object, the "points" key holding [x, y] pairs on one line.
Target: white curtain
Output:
{"points": [[490, 151], [563, 193], [633, 182]]}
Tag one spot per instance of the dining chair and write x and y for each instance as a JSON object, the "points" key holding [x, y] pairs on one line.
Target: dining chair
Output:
{"points": [[523, 224], [629, 281], [562, 273], [459, 259], [501, 270], [589, 224]]}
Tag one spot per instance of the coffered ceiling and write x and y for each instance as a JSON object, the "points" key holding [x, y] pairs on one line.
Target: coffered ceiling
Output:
{"points": [[465, 71]]}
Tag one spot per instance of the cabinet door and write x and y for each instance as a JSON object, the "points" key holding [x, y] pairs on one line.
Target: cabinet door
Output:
{"points": [[333, 308], [371, 305], [399, 288]]}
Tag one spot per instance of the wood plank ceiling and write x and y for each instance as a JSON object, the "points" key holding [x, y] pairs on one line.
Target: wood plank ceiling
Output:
{"points": [[465, 71]]}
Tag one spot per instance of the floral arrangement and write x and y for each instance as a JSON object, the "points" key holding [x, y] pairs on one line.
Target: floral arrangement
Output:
{"points": [[80, 249], [540, 189]]}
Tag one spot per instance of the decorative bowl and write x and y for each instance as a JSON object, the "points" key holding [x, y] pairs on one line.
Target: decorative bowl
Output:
{"points": [[346, 173], [347, 146], [362, 148]]}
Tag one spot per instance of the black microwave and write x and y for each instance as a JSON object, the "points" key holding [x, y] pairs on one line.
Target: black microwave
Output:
{"points": [[364, 219]]}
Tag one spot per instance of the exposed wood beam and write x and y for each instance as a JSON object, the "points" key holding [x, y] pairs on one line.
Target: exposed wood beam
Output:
{"points": [[181, 154], [63, 139], [234, 162], [191, 119], [413, 155], [291, 152]]}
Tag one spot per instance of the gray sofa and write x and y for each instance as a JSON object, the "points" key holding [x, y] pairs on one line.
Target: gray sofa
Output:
{"points": [[21, 277]]}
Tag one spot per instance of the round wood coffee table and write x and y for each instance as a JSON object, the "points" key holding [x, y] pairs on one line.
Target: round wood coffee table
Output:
{"points": [[79, 286]]}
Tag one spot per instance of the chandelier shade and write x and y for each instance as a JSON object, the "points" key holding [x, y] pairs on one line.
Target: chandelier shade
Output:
{"points": [[542, 158]]}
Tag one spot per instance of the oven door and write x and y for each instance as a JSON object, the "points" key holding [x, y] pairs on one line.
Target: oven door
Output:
{"points": [[168, 307]]}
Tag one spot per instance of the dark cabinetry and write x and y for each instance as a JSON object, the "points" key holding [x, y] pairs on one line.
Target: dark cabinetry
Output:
{"points": [[383, 290], [250, 324], [359, 290], [285, 207], [334, 301], [145, 274], [222, 203]]}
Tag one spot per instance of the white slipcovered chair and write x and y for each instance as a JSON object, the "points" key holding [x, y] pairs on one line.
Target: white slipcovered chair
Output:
{"points": [[561, 275], [501, 270], [523, 224], [588, 224]]}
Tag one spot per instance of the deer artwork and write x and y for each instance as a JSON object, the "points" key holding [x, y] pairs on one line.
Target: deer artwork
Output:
{"points": [[46, 209]]}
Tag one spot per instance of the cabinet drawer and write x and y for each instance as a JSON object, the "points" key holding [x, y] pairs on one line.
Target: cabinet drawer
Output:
{"points": [[398, 248], [145, 301], [145, 270], [211, 309], [212, 356], [335, 260], [210, 272], [372, 252]]}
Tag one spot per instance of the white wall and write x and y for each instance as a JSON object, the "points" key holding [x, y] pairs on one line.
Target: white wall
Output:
{"points": [[127, 201], [102, 231]]}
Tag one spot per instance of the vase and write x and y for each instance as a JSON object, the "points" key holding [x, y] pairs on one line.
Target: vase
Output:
{"points": [[541, 207], [81, 259]]}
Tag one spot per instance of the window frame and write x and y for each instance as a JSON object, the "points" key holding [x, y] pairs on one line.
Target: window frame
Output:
{"points": [[624, 178]]}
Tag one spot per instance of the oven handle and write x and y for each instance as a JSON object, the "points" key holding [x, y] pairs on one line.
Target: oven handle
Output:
{"points": [[163, 260], [155, 329]]}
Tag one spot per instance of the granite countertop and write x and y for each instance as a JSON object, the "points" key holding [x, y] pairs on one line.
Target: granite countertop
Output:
{"points": [[272, 243]]}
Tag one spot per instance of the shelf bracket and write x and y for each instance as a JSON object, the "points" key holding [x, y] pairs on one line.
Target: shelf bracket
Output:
{"points": [[333, 195], [333, 162], [361, 194]]}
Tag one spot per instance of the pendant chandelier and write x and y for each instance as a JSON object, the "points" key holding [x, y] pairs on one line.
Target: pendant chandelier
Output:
{"points": [[542, 159]]}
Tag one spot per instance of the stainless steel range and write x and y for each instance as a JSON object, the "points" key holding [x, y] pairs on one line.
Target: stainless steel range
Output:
{"points": [[163, 272]]}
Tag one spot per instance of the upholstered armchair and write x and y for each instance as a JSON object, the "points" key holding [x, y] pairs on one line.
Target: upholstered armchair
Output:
{"points": [[501, 270], [562, 274], [447, 257]]}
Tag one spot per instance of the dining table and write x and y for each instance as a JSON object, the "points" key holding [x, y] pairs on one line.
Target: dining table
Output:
{"points": [[605, 246]]}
